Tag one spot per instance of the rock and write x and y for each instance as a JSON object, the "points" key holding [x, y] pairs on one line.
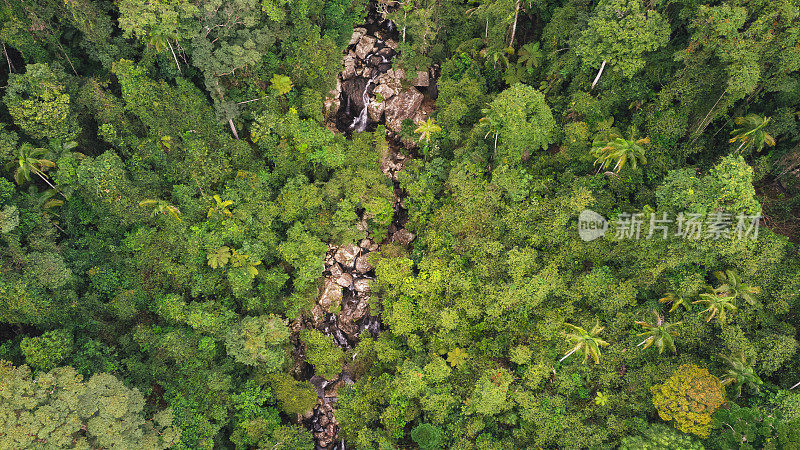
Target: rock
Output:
{"points": [[362, 265], [403, 236], [375, 60], [365, 243], [324, 420], [375, 110], [402, 106], [365, 46], [346, 255], [344, 280], [373, 247], [361, 285], [336, 270], [423, 80], [349, 66], [357, 34], [331, 295], [392, 44], [317, 315], [308, 414], [386, 91]]}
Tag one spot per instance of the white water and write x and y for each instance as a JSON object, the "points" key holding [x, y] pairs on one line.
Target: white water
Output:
{"points": [[360, 122]]}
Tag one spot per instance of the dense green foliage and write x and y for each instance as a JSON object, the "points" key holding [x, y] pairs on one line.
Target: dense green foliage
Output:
{"points": [[170, 188]]}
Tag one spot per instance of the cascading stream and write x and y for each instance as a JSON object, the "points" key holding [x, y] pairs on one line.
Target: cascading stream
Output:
{"points": [[360, 122]]}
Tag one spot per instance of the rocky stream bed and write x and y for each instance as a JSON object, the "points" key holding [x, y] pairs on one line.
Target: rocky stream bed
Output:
{"points": [[369, 92]]}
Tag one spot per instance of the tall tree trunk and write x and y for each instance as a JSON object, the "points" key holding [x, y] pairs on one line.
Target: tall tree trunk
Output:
{"points": [[11, 67], [600, 72], [233, 128], [174, 56], [514, 27], [44, 178]]}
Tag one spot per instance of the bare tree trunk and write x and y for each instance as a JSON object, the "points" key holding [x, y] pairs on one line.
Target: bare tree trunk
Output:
{"points": [[174, 56], [600, 72], [514, 27], [44, 178], [405, 14], [11, 67], [487, 29], [798, 384], [233, 128], [68, 60]]}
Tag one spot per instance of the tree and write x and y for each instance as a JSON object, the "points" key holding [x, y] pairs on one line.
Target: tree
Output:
{"points": [[741, 372], [259, 341], [689, 398], [427, 436], [426, 129], [658, 436], [31, 160], [660, 334], [162, 207], [751, 133], [588, 343], [676, 301], [718, 305], [733, 286], [39, 104], [47, 351], [322, 353], [520, 120], [60, 409], [608, 149], [619, 33]]}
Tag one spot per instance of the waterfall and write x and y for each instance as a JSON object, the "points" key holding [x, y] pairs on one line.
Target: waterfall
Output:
{"points": [[360, 122]]}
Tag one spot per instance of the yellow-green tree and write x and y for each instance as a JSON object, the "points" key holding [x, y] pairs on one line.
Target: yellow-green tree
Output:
{"points": [[689, 397]]}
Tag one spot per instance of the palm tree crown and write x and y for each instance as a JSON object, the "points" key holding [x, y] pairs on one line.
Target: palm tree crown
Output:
{"points": [[661, 334], [588, 343], [615, 148], [751, 133]]}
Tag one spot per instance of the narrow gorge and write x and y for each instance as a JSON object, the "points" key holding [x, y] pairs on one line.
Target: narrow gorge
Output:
{"points": [[369, 92]]}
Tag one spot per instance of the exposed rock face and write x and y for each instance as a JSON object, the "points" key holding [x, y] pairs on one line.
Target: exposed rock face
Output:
{"points": [[331, 295], [365, 46], [346, 255], [370, 90], [402, 106]]}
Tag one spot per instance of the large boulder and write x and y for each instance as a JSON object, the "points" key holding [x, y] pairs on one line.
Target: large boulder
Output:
{"points": [[331, 295], [357, 34], [375, 110], [365, 46], [347, 254], [402, 106], [349, 66]]}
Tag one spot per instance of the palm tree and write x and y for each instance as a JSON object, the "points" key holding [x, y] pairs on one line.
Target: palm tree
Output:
{"points": [[733, 286], [619, 150], [741, 372], [59, 149], [676, 301], [426, 129], [751, 133], [32, 160], [660, 334], [588, 343], [162, 207], [530, 55], [718, 304], [491, 122]]}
